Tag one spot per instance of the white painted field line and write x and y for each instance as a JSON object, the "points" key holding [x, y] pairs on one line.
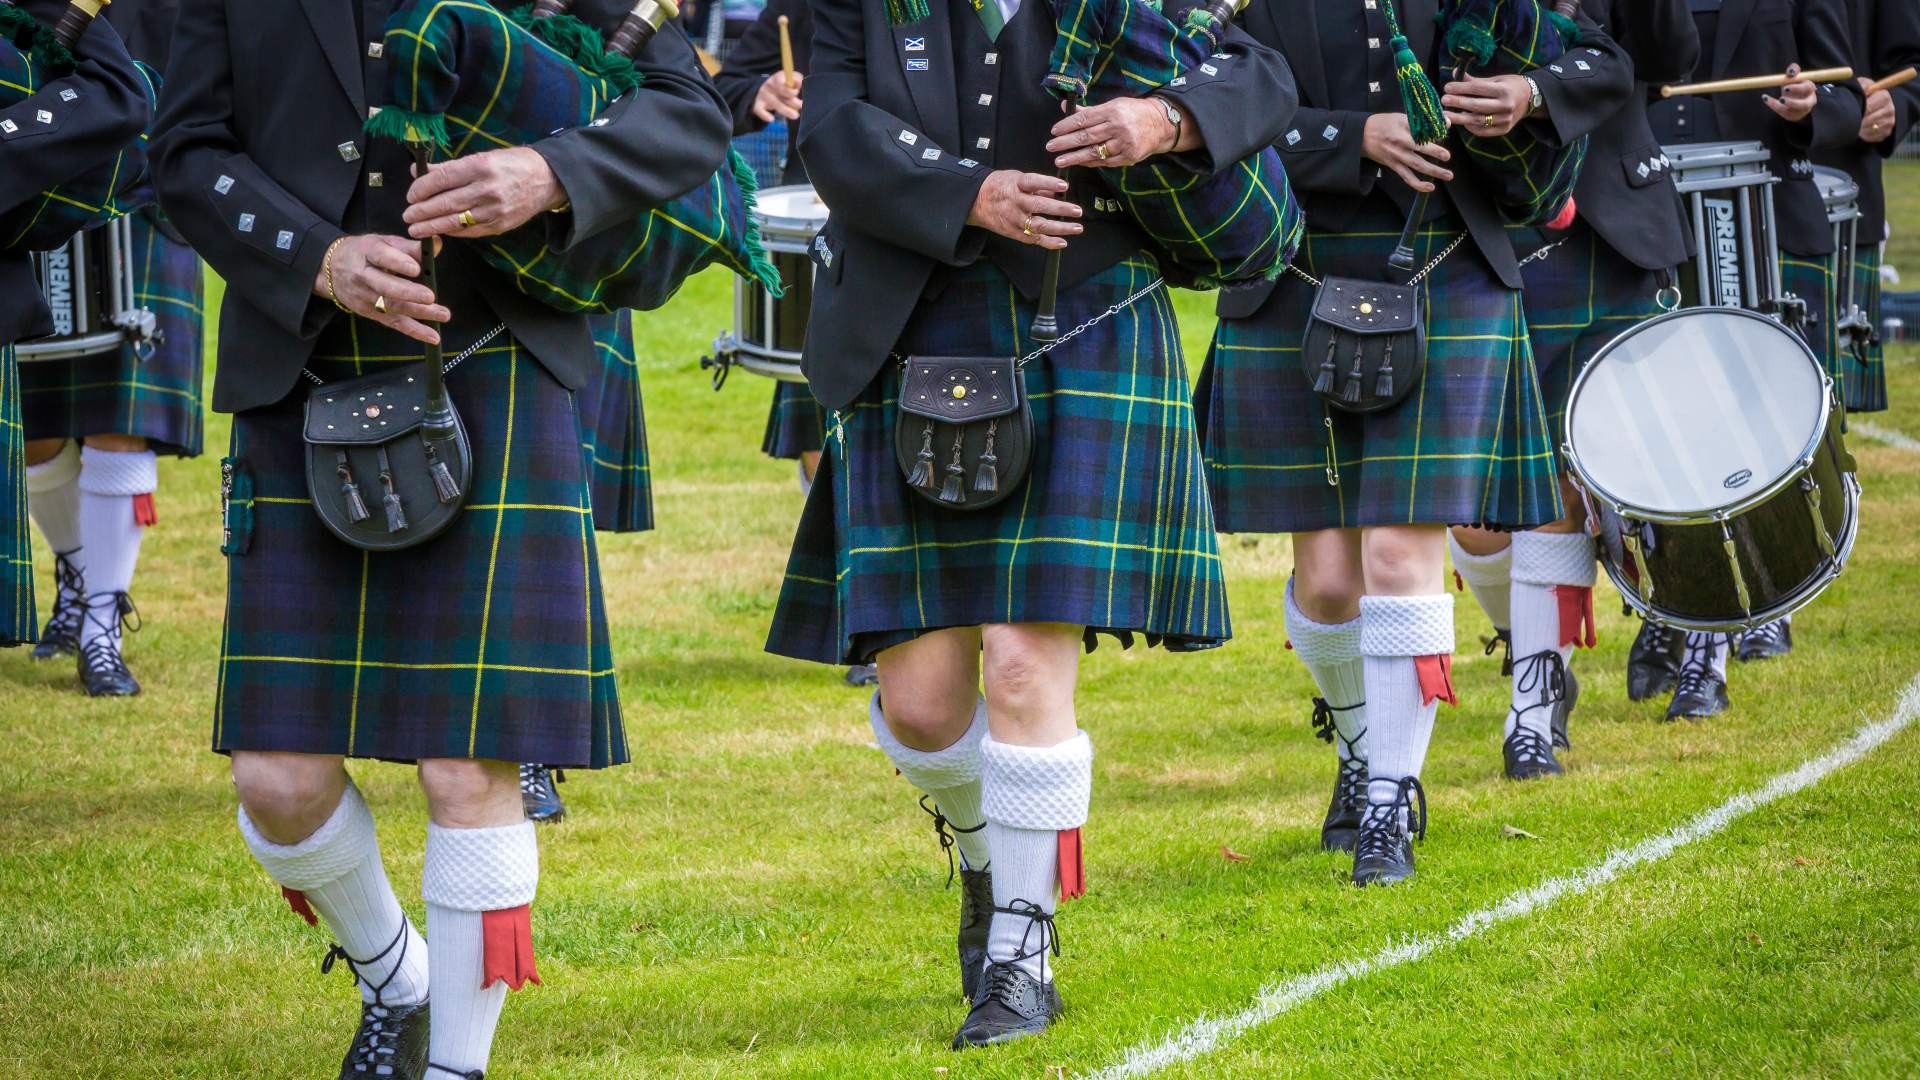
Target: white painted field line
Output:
{"points": [[1208, 1033], [1880, 434]]}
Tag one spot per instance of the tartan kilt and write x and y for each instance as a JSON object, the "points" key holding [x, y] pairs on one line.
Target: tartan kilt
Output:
{"points": [[796, 424], [1578, 297], [1866, 382], [613, 431], [118, 393], [490, 641], [18, 625], [1470, 446], [1110, 531], [1810, 277]]}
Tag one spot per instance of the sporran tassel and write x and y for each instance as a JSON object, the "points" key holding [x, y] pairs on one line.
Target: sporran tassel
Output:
{"points": [[922, 474], [1352, 391], [1383, 381], [444, 485], [956, 472], [1328, 368], [396, 513], [356, 506], [986, 479]]}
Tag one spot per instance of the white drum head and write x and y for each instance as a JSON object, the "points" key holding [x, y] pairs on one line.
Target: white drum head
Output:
{"points": [[1695, 411], [792, 212]]}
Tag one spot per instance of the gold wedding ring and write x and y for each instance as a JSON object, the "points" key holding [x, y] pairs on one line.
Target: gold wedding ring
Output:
{"points": [[1486, 120], [380, 304], [467, 219], [1026, 225], [1102, 151]]}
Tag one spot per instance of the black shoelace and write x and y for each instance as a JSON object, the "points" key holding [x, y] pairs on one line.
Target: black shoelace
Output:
{"points": [[101, 655], [1543, 673], [1037, 918], [1696, 669], [69, 603], [1353, 771], [377, 1041], [1381, 828], [941, 825], [470, 1074], [1501, 637], [538, 780], [1528, 747]]}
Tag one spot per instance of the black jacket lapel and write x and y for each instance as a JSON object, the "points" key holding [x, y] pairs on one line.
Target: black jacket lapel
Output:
{"points": [[927, 70], [333, 26], [1734, 15]]}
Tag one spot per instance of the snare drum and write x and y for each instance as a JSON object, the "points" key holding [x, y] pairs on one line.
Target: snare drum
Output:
{"points": [[1708, 450], [1729, 194], [768, 331], [1841, 195], [88, 285]]}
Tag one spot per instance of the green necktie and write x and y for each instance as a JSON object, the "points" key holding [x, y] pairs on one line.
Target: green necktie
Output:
{"points": [[991, 17]]}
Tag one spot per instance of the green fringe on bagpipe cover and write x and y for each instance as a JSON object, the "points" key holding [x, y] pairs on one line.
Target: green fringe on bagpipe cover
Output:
{"points": [[28, 35]]}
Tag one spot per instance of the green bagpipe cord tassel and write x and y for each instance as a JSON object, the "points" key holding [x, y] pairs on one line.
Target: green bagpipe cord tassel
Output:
{"points": [[407, 126], [1425, 118], [902, 12], [758, 265]]}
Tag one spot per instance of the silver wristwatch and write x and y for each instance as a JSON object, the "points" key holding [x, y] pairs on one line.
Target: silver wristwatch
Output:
{"points": [[1173, 116], [1535, 101]]}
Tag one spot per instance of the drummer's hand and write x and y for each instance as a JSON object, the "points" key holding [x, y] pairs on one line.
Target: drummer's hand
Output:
{"points": [[1796, 99], [1132, 130], [1021, 206], [1389, 141], [368, 267], [1876, 124], [502, 189], [1487, 107], [777, 98]]}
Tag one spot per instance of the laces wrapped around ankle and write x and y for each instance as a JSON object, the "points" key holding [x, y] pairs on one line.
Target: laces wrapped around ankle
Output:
{"points": [[1528, 746], [400, 941], [1380, 828], [1037, 917], [941, 825]]}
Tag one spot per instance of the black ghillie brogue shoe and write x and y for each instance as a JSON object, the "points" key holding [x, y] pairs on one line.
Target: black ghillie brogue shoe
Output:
{"points": [[1349, 801], [61, 637], [863, 675], [103, 670], [1563, 711], [1011, 1003], [1529, 755], [1653, 664], [976, 901], [1767, 642], [1383, 852], [1702, 691], [391, 1042], [539, 796]]}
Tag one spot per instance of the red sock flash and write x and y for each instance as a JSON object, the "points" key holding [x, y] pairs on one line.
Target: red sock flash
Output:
{"points": [[507, 944], [1073, 868], [1436, 679], [1576, 615], [297, 900]]}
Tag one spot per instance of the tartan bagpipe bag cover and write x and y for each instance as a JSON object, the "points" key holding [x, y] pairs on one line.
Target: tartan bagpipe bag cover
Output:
{"points": [[471, 76], [1240, 224], [30, 58]]}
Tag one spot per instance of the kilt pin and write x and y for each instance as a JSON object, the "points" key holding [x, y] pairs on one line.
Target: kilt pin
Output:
{"points": [[1111, 530], [18, 625], [411, 654], [157, 397], [1471, 445], [613, 434]]}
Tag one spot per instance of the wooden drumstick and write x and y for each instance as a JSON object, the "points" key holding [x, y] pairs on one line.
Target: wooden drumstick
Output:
{"points": [[1758, 82], [75, 20], [1898, 78], [786, 53]]}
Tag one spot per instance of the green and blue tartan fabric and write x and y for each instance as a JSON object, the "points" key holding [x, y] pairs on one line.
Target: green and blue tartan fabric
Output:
{"points": [[1810, 277], [1240, 224], [1579, 297], [796, 424], [488, 642], [1866, 375], [473, 77], [18, 624], [613, 431], [158, 397], [1471, 445], [95, 197], [1531, 178], [1110, 531]]}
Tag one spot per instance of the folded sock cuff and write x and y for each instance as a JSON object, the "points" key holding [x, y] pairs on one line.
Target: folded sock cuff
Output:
{"points": [[327, 855], [933, 770], [1481, 569], [1554, 559], [1037, 787], [56, 472], [1406, 625], [489, 869], [1318, 642], [118, 472]]}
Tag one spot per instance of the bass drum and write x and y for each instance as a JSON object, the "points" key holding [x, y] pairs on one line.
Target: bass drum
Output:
{"points": [[1707, 445], [769, 330]]}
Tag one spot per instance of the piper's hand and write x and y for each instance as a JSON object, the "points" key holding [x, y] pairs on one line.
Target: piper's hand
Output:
{"points": [[1487, 107], [1389, 141], [1021, 206], [1876, 124], [483, 195], [372, 272], [776, 98], [1795, 102], [1130, 129]]}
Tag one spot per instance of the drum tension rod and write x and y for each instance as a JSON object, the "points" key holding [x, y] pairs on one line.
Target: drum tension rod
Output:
{"points": [[1819, 521], [1632, 540], [1739, 578]]}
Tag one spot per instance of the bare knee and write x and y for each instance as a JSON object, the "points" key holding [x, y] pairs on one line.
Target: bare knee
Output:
{"points": [[1404, 560], [288, 796], [468, 793], [1327, 582], [929, 721], [1030, 676], [118, 444], [1481, 541], [41, 451]]}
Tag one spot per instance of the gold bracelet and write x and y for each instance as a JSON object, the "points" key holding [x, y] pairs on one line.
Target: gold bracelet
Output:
{"points": [[326, 266]]}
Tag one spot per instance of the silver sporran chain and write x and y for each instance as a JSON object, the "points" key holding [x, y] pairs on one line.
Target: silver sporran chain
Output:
{"points": [[446, 368]]}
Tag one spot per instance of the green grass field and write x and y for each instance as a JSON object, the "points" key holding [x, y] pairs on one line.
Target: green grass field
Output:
{"points": [[756, 895]]}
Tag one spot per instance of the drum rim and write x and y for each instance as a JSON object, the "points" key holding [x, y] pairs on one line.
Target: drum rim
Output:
{"points": [[1765, 493], [1724, 153], [1845, 199], [803, 229]]}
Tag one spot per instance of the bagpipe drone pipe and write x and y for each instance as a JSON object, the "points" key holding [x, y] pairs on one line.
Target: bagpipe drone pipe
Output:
{"points": [[31, 56], [1240, 224], [470, 76]]}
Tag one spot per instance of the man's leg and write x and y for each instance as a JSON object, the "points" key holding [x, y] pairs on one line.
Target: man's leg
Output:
{"points": [[53, 499], [118, 475]]}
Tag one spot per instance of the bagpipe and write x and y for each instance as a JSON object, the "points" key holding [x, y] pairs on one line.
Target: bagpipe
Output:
{"points": [[33, 55], [470, 76], [1237, 225]]}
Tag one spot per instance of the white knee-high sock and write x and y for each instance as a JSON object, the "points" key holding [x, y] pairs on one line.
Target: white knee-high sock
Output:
{"points": [[1408, 645], [1331, 652], [116, 505], [478, 885], [951, 776], [1036, 802], [336, 875], [53, 499], [1707, 649], [1489, 578], [1553, 576]]}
